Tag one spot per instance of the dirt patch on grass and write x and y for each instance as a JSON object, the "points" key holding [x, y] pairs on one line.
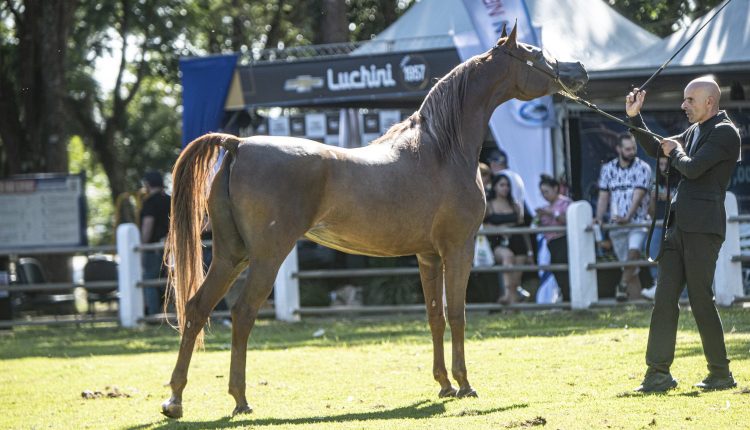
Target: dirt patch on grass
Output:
{"points": [[109, 392]]}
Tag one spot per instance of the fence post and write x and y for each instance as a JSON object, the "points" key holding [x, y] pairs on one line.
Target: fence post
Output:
{"points": [[286, 289], [728, 275], [581, 253], [129, 274]]}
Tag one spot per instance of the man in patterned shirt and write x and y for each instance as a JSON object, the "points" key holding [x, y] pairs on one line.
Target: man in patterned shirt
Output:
{"points": [[623, 190]]}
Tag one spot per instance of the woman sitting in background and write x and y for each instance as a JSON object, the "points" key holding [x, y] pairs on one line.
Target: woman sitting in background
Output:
{"points": [[554, 215], [503, 211]]}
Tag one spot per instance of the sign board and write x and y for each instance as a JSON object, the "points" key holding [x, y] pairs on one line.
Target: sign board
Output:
{"points": [[323, 127], [42, 211], [355, 79]]}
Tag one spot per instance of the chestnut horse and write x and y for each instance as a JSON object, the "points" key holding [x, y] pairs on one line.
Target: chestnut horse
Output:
{"points": [[415, 190]]}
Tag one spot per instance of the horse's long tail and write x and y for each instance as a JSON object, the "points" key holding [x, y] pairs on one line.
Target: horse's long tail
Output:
{"points": [[191, 179]]}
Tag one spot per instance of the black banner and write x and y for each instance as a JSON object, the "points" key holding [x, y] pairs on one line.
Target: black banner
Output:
{"points": [[349, 79]]}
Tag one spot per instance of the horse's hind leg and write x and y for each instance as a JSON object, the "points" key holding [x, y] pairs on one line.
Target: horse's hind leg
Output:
{"points": [[220, 275], [256, 290], [431, 274], [457, 268]]}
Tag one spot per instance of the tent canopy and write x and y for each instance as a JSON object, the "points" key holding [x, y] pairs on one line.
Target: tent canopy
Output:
{"points": [[588, 31], [719, 49], [721, 46]]}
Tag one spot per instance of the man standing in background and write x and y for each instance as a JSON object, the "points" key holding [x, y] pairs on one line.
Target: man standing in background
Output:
{"points": [[624, 183], [154, 228]]}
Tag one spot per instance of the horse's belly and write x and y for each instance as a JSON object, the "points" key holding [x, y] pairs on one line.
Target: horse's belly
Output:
{"points": [[373, 242]]}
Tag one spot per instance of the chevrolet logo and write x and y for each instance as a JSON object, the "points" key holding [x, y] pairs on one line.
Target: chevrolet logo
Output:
{"points": [[303, 83]]}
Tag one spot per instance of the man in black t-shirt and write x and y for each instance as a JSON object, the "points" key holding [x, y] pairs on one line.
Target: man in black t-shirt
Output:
{"points": [[154, 228]]}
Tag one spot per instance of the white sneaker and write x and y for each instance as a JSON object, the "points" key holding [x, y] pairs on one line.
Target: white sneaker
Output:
{"points": [[649, 293]]}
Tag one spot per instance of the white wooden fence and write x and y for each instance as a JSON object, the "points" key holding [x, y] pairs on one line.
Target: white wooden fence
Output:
{"points": [[581, 268]]}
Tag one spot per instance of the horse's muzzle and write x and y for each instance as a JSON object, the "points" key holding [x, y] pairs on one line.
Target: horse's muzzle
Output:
{"points": [[573, 75]]}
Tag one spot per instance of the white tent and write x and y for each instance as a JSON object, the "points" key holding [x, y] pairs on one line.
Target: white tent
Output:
{"points": [[586, 30], [724, 45]]}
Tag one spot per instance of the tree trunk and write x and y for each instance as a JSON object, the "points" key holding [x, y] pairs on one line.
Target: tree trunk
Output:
{"points": [[334, 27], [56, 22], [104, 146], [33, 88], [273, 37], [388, 9]]}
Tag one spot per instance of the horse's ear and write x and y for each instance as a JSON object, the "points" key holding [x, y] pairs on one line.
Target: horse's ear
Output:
{"points": [[512, 37], [503, 35]]}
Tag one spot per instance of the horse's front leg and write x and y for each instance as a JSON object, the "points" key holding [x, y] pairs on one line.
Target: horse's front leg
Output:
{"points": [[457, 268], [431, 274]]}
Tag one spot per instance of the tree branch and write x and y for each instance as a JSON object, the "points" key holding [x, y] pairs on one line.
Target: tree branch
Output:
{"points": [[117, 105], [14, 11]]}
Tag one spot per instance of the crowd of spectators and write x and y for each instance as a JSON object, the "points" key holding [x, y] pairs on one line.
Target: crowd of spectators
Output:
{"points": [[626, 195]]}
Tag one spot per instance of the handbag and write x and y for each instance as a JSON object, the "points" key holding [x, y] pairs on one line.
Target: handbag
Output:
{"points": [[483, 255]]}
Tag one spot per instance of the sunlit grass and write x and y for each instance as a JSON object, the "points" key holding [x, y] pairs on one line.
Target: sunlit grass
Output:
{"points": [[568, 370]]}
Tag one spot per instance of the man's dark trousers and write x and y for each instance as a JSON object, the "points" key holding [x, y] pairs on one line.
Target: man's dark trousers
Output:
{"points": [[688, 258]]}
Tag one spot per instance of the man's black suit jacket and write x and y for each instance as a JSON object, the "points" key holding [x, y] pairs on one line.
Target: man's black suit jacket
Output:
{"points": [[699, 199]]}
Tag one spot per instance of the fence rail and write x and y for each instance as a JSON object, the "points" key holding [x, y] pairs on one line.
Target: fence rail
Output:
{"points": [[65, 250]]}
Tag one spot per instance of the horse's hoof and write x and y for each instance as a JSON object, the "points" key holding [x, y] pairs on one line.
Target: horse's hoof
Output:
{"points": [[244, 409], [466, 392], [447, 392], [171, 409]]}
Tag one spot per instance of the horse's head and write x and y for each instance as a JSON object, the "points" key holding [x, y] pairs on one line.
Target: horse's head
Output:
{"points": [[536, 72]]}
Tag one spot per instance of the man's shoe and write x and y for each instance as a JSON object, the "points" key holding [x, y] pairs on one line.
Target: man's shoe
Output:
{"points": [[657, 383], [649, 293], [621, 293], [713, 383]]}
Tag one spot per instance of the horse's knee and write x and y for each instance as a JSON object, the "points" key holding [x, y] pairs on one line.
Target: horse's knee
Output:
{"points": [[436, 320], [241, 310], [195, 309], [457, 320]]}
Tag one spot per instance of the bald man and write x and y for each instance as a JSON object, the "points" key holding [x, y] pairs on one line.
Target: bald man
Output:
{"points": [[705, 156]]}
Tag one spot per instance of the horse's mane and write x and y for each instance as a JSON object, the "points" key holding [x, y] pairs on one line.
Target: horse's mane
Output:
{"points": [[440, 114]]}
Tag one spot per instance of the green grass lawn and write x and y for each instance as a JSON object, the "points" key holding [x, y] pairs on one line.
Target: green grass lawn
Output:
{"points": [[570, 370]]}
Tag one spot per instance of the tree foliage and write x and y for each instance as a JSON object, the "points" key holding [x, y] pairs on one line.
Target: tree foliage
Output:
{"points": [[663, 17]]}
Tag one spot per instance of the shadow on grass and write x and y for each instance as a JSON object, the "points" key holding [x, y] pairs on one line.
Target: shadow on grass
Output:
{"points": [[83, 340], [736, 349], [636, 394], [694, 393], [421, 409]]}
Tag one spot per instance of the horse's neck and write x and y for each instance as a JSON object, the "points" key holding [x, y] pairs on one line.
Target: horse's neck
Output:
{"points": [[481, 99], [464, 101]]}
